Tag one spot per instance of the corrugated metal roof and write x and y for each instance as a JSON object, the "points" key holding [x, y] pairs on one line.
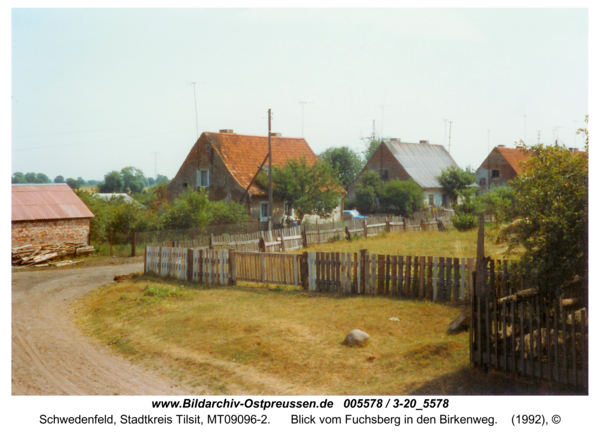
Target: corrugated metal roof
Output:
{"points": [[423, 162], [32, 202]]}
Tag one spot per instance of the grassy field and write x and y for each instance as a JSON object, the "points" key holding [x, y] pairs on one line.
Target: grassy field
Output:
{"points": [[273, 340], [450, 243]]}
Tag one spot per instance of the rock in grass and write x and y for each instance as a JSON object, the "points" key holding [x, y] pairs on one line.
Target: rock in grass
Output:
{"points": [[356, 337], [461, 323]]}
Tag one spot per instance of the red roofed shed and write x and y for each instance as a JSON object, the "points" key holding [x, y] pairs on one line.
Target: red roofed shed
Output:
{"points": [[48, 213]]}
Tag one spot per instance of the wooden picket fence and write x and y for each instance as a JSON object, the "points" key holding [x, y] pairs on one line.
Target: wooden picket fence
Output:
{"points": [[419, 277], [530, 334], [425, 278]]}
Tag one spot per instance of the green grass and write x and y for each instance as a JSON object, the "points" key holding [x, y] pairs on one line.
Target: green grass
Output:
{"points": [[450, 243]]}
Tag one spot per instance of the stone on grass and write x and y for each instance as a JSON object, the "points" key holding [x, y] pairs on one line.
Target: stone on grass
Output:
{"points": [[356, 337]]}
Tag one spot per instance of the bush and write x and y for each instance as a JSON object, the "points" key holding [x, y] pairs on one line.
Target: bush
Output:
{"points": [[464, 221]]}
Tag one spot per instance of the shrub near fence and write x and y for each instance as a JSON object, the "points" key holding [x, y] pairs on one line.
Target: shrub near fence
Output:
{"points": [[425, 278]]}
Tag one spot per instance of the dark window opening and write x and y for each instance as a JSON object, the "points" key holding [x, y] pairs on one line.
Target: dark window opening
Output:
{"points": [[495, 173]]}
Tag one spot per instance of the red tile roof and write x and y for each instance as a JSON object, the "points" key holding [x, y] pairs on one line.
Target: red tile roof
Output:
{"points": [[32, 202], [243, 154], [513, 156]]}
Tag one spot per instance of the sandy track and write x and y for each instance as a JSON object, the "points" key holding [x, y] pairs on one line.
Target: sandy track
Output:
{"points": [[50, 356]]}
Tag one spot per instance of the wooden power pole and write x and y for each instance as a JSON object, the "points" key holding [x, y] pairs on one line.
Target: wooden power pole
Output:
{"points": [[270, 177]]}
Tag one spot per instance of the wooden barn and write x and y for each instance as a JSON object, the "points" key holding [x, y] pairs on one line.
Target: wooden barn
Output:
{"points": [[48, 213]]}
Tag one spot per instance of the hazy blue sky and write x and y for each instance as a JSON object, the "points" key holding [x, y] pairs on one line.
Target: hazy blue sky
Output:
{"points": [[95, 90]]}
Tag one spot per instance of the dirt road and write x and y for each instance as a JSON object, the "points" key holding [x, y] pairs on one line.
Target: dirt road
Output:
{"points": [[50, 356]]}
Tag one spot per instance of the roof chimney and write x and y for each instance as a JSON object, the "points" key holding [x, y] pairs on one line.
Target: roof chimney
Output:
{"points": [[227, 130], [426, 142], [503, 146], [275, 134], [395, 139]]}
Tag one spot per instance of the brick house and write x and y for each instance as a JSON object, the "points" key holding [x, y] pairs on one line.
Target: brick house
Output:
{"points": [[421, 162], [225, 164], [500, 166], [48, 213]]}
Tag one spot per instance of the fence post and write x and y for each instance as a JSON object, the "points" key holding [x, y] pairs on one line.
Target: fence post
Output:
{"points": [[318, 232], [232, 272], [261, 245], [190, 265], [363, 256], [210, 241], [304, 237], [404, 223], [160, 260], [365, 227], [133, 241], [304, 270], [347, 233], [387, 224]]}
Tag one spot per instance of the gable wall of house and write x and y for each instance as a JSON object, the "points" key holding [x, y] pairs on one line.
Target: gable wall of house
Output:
{"points": [[50, 231], [222, 185], [384, 160], [495, 161]]}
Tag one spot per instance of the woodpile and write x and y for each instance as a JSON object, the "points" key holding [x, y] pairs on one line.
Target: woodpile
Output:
{"points": [[38, 255]]}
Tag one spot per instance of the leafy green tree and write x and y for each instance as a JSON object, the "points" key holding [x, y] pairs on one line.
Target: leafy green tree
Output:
{"points": [[190, 209], [59, 179], [133, 179], [307, 189], [42, 178], [500, 203], [467, 210], [227, 212], [18, 178], [346, 163], [31, 177], [112, 183], [401, 197], [162, 179], [551, 205], [368, 193], [73, 184], [454, 180]]}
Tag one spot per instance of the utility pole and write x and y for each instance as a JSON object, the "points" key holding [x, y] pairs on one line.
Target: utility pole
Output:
{"points": [[488, 163], [195, 109], [270, 177], [303, 103], [445, 120], [450, 137]]}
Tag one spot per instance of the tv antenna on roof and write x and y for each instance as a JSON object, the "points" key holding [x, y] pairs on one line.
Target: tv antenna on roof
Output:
{"points": [[303, 103]]}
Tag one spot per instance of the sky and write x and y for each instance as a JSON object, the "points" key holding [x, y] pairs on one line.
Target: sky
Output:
{"points": [[96, 90]]}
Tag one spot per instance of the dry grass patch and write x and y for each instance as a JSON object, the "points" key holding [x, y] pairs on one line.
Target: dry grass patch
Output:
{"points": [[260, 340]]}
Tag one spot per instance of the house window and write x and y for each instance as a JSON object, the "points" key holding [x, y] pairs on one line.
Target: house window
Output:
{"points": [[287, 209], [203, 178], [444, 200], [495, 173], [430, 200], [264, 211], [383, 174]]}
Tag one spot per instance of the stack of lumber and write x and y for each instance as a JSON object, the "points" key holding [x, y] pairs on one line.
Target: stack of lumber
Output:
{"points": [[33, 255]]}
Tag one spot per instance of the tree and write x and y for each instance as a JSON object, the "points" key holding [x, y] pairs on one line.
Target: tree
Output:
{"points": [[133, 179], [112, 183], [190, 209], [162, 179], [73, 184], [368, 192], [42, 178], [401, 197], [346, 163], [30, 177], [454, 180], [551, 206], [18, 178], [499, 202], [307, 189], [467, 210], [59, 179]]}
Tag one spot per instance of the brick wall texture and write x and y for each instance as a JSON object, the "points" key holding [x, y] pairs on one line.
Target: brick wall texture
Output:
{"points": [[50, 231]]}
